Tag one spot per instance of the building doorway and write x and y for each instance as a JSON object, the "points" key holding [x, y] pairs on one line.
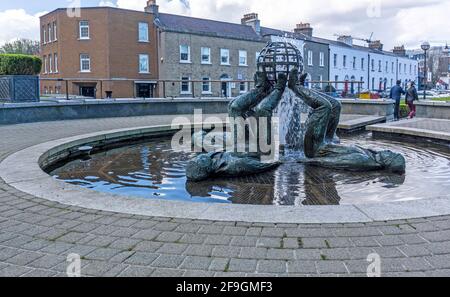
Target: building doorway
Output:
{"points": [[225, 86], [88, 90], [145, 90]]}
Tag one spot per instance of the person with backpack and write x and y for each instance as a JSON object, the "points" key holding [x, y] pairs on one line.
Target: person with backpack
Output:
{"points": [[411, 96]]}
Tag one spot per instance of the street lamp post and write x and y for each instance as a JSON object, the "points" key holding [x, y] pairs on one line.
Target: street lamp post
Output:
{"points": [[425, 47]]}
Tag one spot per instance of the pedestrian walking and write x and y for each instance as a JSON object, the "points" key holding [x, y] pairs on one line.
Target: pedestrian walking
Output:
{"points": [[411, 97], [396, 94]]}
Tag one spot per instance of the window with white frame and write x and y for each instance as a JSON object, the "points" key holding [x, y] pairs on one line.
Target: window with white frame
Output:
{"points": [[354, 63], [321, 59], [242, 58], [45, 65], [50, 35], [362, 63], [84, 30], [242, 84], [56, 62], [310, 58], [392, 67], [404, 67], [55, 35], [379, 65], [410, 69], [224, 56], [143, 32], [336, 79], [44, 34], [400, 68], [335, 58], [344, 61], [185, 85], [206, 55], [387, 66], [185, 54], [50, 63], [144, 63], [85, 63], [373, 64], [206, 85]]}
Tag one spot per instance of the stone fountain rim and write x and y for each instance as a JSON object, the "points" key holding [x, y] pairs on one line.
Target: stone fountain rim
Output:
{"points": [[23, 171]]}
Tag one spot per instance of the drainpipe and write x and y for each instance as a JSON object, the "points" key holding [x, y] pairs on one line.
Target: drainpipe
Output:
{"points": [[368, 71]]}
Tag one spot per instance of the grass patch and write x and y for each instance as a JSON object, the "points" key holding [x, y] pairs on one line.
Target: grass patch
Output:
{"points": [[445, 99]]}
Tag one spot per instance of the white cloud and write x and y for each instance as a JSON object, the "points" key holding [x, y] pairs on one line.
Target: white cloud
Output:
{"points": [[399, 22], [16, 23]]}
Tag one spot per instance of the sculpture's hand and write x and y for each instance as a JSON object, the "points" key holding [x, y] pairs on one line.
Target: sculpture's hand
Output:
{"points": [[293, 79], [281, 82], [266, 107], [261, 82]]}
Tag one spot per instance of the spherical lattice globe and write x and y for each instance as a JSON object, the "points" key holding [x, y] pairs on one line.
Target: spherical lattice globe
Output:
{"points": [[279, 57]]}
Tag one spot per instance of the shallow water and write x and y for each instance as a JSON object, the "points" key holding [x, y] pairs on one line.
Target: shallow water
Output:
{"points": [[153, 170]]}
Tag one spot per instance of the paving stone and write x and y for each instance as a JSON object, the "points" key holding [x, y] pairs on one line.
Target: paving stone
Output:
{"points": [[140, 258], [102, 254], [40, 273], [103, 269], [439, 248], [302, 267], [136, 271], [439, 261], [308, 254], [14, 271], [231, 230], [389, 252], [198, 273], [146, 234], [199, 250], [24, 258], [415, 250], [169, 237], [47, 261], [226, 251], [168, 261], [163, 272], [271, 266], [253, 253], [172, 248], [244, 241], [218, 239], [148, 246], [317, 243], [269, 242], [334, 267], [219, 264], [196, 263], [242, 265], [280, 254], [124, 244], [290, 243]]}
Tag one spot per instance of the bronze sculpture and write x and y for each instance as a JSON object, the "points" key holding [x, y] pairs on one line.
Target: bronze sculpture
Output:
{"points": [[280, 64]]}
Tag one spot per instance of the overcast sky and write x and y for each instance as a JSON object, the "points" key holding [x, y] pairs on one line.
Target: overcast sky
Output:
{"points": [[396, 22]]}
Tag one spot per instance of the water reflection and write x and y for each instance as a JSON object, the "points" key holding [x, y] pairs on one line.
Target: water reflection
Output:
{"points": [[153, 170]]}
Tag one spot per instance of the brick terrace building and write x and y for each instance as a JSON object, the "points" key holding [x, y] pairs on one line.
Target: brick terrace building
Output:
{"points": [[103, 49]]}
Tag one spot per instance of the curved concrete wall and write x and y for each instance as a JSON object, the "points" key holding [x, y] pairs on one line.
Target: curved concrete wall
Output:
{"points": [[93, 109]]}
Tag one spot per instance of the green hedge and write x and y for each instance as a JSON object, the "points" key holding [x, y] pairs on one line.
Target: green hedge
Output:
{"points": [[13, 64]]}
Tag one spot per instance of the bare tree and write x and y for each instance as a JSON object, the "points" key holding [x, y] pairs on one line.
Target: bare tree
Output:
{"points": [[21, 46]]}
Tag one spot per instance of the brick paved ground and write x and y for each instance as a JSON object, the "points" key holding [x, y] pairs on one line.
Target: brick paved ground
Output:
{"points": [[37, 235]]}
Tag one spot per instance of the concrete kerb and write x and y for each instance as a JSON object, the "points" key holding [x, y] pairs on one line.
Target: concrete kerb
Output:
{"points": [[22, 170]]}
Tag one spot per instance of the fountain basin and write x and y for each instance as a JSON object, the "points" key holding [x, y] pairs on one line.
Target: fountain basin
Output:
{"points": [[22, 170]]}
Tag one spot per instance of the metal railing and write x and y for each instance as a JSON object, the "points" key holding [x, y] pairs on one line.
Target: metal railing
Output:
{"points": [[164, 88]]}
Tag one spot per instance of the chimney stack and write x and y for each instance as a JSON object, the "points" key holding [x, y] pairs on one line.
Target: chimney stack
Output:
{"points": [[152, 7], [400, 51], [304, 28], [347, 39], [252, 20], [376, 45]]}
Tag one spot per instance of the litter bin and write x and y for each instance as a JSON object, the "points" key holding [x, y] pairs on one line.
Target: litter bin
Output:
{"points": [[108, 94]]}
